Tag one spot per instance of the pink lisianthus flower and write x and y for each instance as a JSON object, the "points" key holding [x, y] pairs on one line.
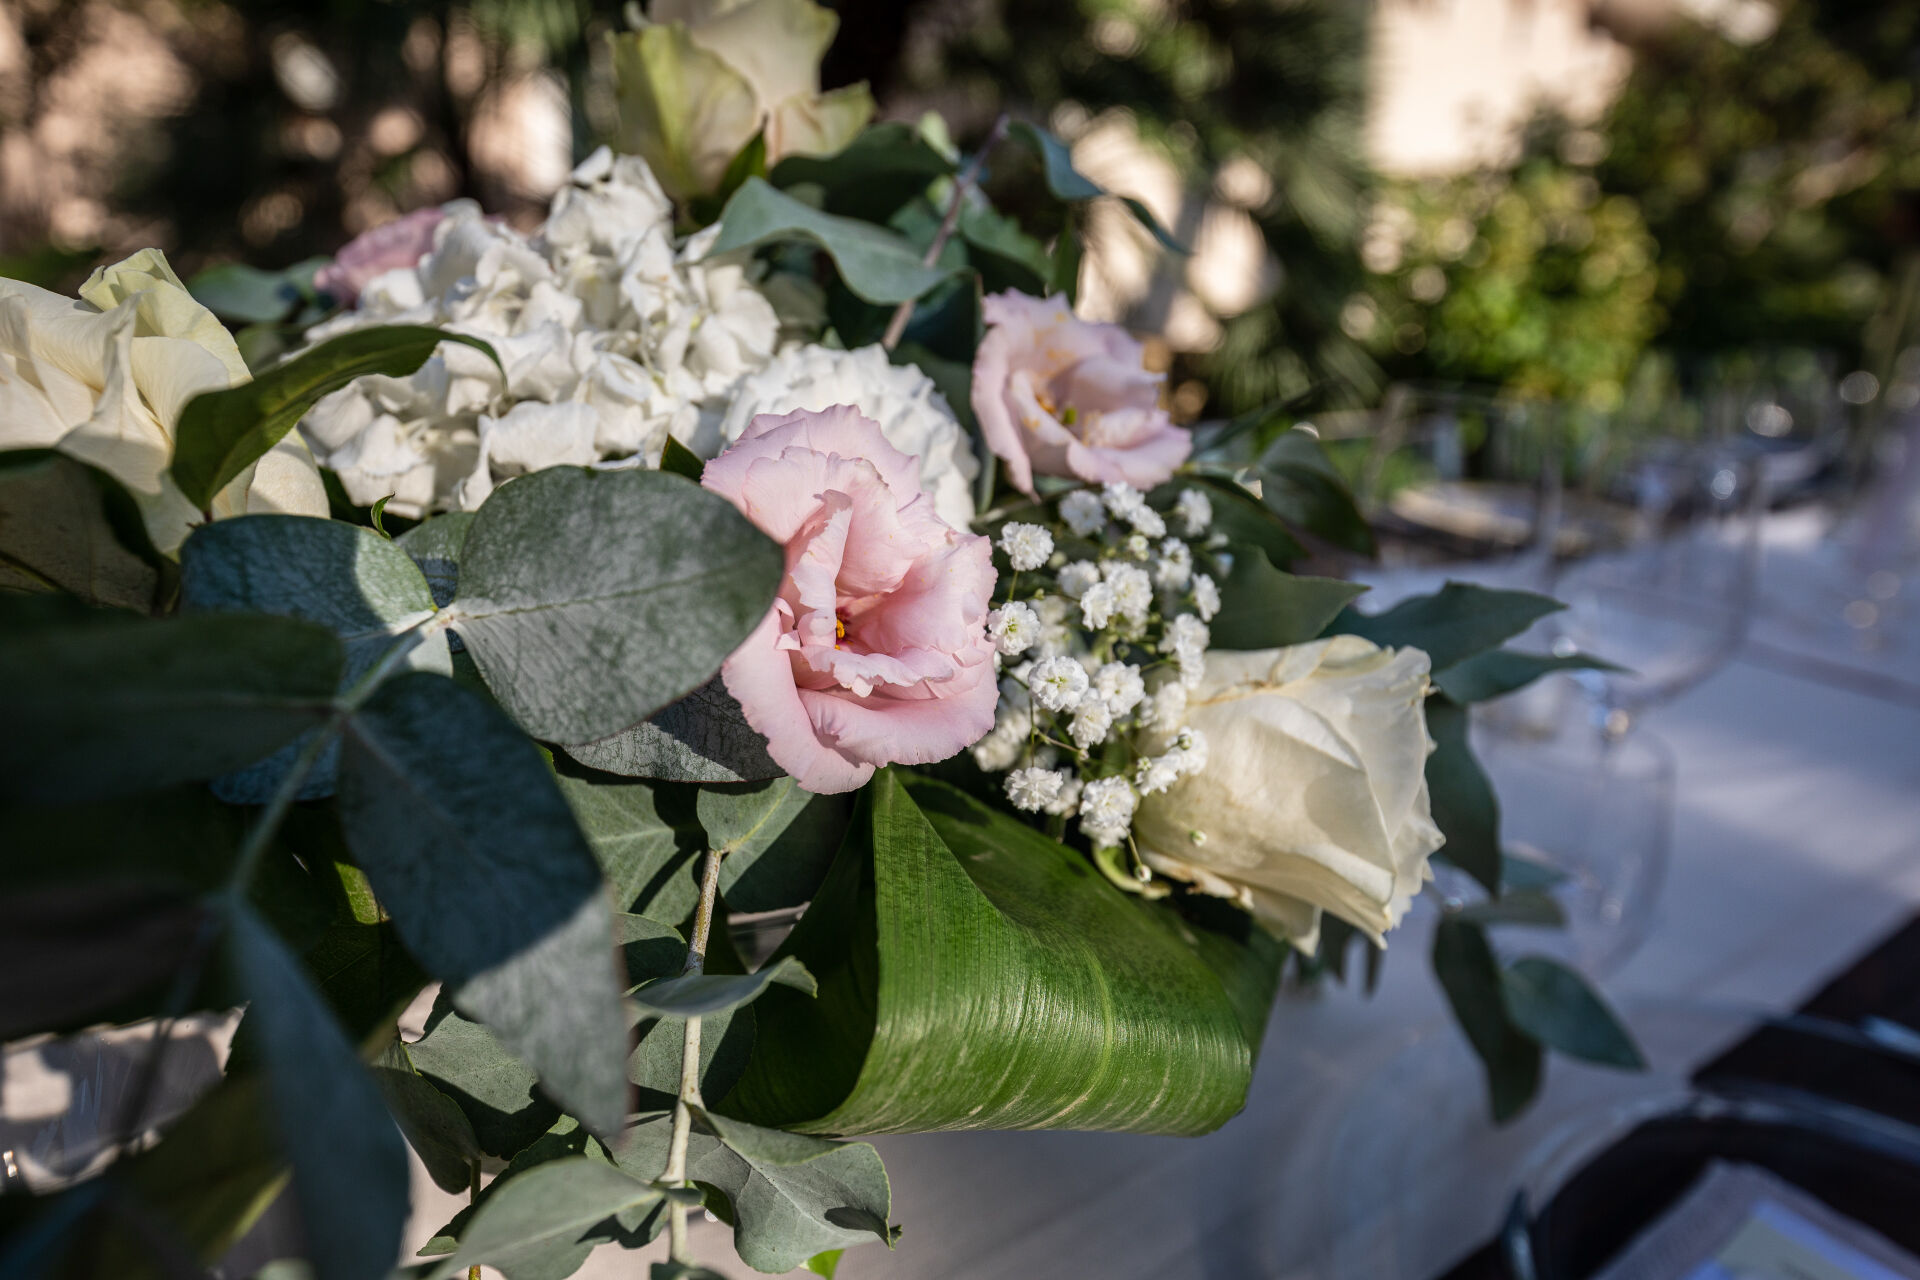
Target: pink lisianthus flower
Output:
{"points": [[400, 243], [1062, 396], [876, 649]]}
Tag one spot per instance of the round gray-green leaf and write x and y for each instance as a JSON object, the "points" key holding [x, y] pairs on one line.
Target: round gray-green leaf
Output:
{"points": [[591, 599]]}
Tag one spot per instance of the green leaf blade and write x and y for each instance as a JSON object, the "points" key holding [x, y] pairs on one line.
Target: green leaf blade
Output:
{"points": [[877, 265], [1453, 624], [1556, 1006], [698, 995], [1468, 972], [1263, 607], [222, 433], [543, 1213]]}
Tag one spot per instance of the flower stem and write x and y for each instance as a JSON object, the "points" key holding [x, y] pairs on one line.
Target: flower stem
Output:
{"points": [[968, 177], [689, 1097], [473, 1197]]}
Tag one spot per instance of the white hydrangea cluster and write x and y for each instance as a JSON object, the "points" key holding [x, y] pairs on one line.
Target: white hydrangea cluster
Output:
{"points": [[1101, 631], [614, 336]]}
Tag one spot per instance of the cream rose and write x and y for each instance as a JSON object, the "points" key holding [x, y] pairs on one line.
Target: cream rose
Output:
{"points": [[1314, 796], [103, 379]]}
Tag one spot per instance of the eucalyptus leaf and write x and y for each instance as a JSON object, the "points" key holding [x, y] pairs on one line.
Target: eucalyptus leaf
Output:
{"points": [[66, 526], [115, 705], [80, 948], [444, 801], [346, 578], [222, 433], [1263, 607], [644, 835], [1453, 624], [1464, 963], [435, 546], [704, 737], [789, 1196], [432, 1123], [1557, 1007], [498, 1094], [696, 995], [591, 599], [566, 1138], [1463, 802], [1498, 672], [975, 974], [747, 820], [235, 291], [825, 1264], [349, 1163], [876, 264], [888, 164], [726, 1037], [1069, 184], [544, 1212]]}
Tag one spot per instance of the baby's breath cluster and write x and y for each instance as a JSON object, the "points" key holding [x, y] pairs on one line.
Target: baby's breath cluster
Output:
{"points": [[1101, 630]]}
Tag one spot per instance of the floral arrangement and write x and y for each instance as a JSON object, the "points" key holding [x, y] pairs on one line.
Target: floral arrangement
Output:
{"points": [[564, 594]]}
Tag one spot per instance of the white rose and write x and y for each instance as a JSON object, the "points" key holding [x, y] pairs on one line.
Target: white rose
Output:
{"points": [[912, 414], [104, 378], [1315, 796]]}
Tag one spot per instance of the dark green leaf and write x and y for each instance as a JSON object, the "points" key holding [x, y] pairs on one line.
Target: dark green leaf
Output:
{"points": [[976, 975], [1064, 275], [1069, 184], [217, 1171], [789, 1196], [1453, 624], [1464, 805], [1470, 975], [681, 461], [1006, 256], [432, 1123], [1515, 906], [222, 433], [696, 995], [591, 599], [114, 705], [1301, 486], [886, 166], [1498, 672], [347, 579], [444, 802], [495, 1091], [435, 546], [235, 291], [704, 737], [1555, 1006], [543, 1213], [746, 820], [349, 1164], [1239, 515], [1526, 873], [70, 527], [644, 835], [1263, 607], [875, 263]]}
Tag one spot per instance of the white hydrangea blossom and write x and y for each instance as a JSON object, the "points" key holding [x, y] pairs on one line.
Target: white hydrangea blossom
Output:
{"points": [[913, 415], [1057, 684], [612, 336], [1195, 511], [1015, 628], [1033, 789], [1084, 513], [1027, 545]]}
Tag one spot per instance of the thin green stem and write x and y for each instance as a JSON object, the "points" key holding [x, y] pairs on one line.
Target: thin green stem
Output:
{"points": [[689, 1096], [963, 184]]}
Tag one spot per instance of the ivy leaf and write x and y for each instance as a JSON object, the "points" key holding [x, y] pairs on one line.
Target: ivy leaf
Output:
{"points": [[1464, 963], [1081, 1006], [66, 526], [1263, 607], [878, 265], [112, 705], [789, 1196], [704, 737], [1557, 1007], [1464, 805], [1498, 672], [697, 995], [222, 433], [541, 1215], [444, 801], [349, 1164], [591, 599], [344, 577], [435, 545], [1454, 623], [1070, 185]]}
